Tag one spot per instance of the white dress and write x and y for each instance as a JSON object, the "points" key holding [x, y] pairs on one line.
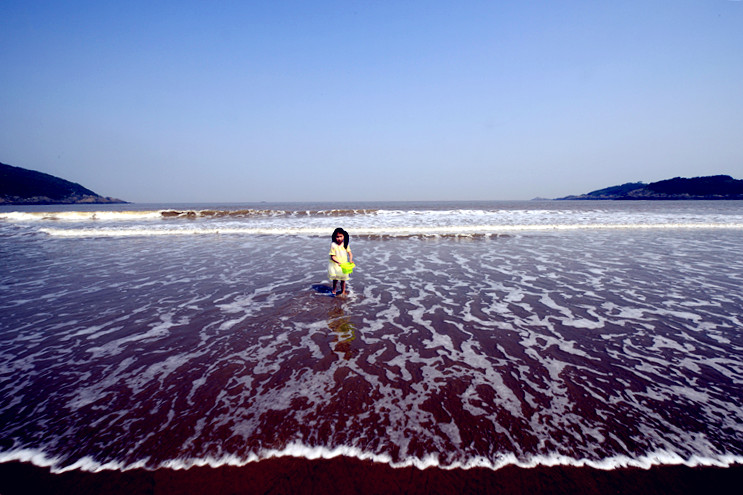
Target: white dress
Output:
{"points": [[341, 254]]}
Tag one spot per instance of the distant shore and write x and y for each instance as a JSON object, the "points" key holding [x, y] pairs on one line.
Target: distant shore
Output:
{"points": [[716, 187], [351, 476], [20, 186]]}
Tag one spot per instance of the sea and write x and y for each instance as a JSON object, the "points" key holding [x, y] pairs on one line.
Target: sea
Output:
{"points": [[606, 334]]}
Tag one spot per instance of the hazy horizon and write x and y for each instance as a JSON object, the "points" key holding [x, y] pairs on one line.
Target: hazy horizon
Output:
{"points": [[356, 101]]}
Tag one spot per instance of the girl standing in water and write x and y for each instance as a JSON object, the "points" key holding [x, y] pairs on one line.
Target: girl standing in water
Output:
{"points": [[339, 253]]}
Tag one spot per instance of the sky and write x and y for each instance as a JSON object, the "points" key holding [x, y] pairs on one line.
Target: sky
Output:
{"points": [[243, 101]]}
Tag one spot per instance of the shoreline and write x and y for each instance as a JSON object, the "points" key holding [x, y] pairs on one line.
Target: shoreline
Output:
{"points": [[548, 349], [344, 475]]}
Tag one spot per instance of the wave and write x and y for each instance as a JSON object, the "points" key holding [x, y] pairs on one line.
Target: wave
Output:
{"points": [[253, 213], [659, 458], [165, 214], [79, 216], [377, 232]]}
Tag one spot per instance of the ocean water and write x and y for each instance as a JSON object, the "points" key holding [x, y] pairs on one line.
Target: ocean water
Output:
{"points": [[600, 334]]}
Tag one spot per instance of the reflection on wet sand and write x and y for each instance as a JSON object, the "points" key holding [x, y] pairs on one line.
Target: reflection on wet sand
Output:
{"points": [[345, 332]]}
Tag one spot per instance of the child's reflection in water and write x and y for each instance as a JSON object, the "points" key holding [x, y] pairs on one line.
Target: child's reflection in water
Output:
{"points": [[345, 332]]}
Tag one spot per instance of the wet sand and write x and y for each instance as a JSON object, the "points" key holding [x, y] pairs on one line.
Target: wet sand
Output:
{"points": [[351, 476], [565, 346]]}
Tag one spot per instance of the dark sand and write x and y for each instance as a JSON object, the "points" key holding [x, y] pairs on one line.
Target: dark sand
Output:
{"points": [[351, 476]]}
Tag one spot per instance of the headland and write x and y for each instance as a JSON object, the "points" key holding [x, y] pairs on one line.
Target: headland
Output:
{"points": [[20, 186], [713, 187]]}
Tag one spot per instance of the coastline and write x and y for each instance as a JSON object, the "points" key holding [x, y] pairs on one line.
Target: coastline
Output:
{"points": [[343, 475]]}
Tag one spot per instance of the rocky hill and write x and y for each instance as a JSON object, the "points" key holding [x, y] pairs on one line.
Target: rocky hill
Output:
{"points": [[20, 186], [679, 188]]}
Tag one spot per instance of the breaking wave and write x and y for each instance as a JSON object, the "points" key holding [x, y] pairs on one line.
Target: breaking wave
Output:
{"points": [[88, 464], [133, 215], [457, 231]]}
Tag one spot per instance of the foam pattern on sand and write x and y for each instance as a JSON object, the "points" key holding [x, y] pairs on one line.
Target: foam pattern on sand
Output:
{"points": [[598, 348]]}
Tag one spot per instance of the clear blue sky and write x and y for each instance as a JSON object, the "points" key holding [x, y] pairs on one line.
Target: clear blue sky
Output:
{"points": [[370, 100]]}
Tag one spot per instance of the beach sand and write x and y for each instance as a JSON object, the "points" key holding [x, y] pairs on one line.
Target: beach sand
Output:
{"points": [[343, 475]]}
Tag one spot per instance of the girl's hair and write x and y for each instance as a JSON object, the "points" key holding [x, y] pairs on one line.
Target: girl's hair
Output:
{"points": [[345, 236]]}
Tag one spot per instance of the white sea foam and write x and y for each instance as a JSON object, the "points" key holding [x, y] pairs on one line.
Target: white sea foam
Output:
{"points": [[462, 222], [78, 216], [427, 230], [589, 347], [299, 451]]}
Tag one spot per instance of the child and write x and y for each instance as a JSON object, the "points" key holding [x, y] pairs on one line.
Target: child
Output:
{"points": [[339, 253]]}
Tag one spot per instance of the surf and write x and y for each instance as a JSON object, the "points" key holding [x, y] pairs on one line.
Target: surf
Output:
{"points": [[448, 231]]}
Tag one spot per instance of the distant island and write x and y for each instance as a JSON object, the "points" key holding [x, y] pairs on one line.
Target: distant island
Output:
{"points": [[20, 186], [712, 187]]}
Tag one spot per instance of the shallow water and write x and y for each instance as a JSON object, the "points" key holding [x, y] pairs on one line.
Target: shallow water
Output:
{"points": [[607, 346]]}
